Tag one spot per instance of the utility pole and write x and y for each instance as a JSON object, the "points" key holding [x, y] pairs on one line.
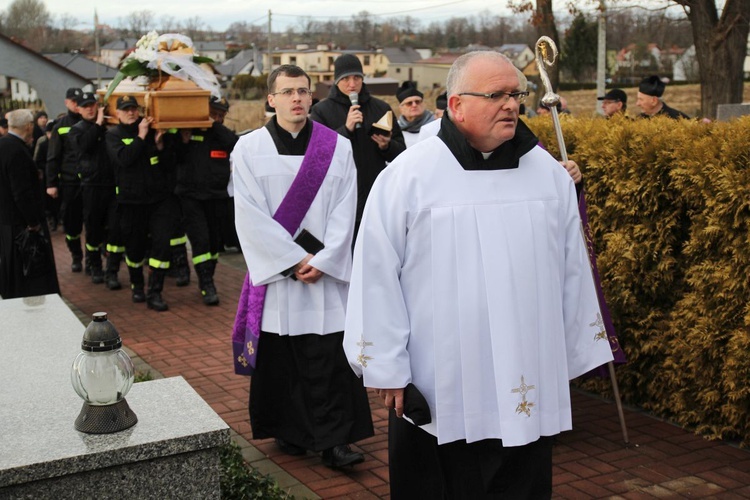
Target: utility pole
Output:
{"points": [[270, 58], [96, 48], [601, 55]]}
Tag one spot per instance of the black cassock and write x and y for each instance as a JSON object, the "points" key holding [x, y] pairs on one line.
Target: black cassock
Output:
{"points": [[304, 392], [27, 265]]}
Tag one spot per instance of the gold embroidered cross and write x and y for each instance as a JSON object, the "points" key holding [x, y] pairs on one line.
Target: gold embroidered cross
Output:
{"points": [[362, 359], [601, 335], [250, 349], [524, 406]]}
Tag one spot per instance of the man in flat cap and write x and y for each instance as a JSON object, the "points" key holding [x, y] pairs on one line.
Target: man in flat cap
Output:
{"points": [[649, 100], [351, 111], [613, 102], [413, 114]]}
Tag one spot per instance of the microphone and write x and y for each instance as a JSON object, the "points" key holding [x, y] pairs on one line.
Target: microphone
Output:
{"points": [[354, 98]]}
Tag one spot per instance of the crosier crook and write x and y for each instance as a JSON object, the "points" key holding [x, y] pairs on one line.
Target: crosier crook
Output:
{"points": [[550, 98]]}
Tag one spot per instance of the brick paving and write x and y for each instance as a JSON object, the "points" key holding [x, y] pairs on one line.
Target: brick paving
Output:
{"points": [[193, 341]]}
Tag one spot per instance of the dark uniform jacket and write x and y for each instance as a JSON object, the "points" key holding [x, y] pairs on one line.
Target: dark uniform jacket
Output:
{"points": [[369, 159], [142, 173], [87, 139], [203, 163], [61, 159], [21, 201], [667, 111]]}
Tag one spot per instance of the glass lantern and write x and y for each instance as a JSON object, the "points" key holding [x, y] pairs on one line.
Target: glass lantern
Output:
{"points": [[102, 374]]}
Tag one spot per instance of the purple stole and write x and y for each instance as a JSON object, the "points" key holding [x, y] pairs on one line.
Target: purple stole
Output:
{"points": [[290, 213], [614, 344]]}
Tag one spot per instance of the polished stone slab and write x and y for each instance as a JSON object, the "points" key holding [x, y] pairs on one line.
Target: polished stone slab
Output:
{"points": [[39, 339]]}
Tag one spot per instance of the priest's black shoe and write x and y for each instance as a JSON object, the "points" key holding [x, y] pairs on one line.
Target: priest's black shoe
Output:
{"points": [[289, 448], [340, 456]]}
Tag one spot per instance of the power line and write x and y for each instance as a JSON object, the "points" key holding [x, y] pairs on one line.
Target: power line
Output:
{"points": [[374, 15]]}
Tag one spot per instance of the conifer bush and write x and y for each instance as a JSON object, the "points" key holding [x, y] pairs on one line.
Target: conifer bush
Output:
{"points": [[669, 208]]}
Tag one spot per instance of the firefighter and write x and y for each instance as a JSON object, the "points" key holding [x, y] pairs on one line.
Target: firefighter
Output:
{"points": [[144, 161], [202, 177]]}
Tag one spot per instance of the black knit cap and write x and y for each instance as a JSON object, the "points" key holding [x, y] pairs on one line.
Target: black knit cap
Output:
{"points": [[408, 89], [652, 85], [441, 101], [220, 104], [346, 65]]}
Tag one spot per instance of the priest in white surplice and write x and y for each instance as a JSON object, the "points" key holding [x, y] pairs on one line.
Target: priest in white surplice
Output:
{"points": [[471, 281], [302, 391]]}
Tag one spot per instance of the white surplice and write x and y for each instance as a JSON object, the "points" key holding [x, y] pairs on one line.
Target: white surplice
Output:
{"points": [[475, 285], [261, 177]]}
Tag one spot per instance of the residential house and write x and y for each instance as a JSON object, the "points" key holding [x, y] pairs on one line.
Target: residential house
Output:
{"points": [[111, 53], [519, 53], [634, 62], [432, 72], [318, 62], [243, 63], [216, 50], [685, 68], [100, 74], [401, 62]]}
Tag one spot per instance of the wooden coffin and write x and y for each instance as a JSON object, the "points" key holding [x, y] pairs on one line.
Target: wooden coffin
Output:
{"points": [[174, 104]]}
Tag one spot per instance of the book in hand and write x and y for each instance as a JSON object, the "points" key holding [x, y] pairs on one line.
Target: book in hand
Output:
{"points": [[308, 242]]}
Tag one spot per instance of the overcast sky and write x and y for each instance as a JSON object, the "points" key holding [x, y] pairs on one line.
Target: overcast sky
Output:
{"points": [[219, 14]]}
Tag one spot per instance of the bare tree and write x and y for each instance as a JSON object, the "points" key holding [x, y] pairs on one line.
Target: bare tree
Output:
{"points": [[137, 23], [363, 26], [194, 27], [720, 47], [170, 24], [27, 20]]}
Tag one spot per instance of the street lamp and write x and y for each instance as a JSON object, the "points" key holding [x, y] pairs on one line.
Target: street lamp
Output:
{"points": [[102, 374]]}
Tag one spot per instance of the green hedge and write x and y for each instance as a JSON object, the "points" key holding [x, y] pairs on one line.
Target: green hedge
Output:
{"points": [[669, 207]]}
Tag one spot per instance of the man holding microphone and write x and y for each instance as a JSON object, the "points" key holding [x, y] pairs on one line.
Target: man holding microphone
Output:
{"points": [[351, 111]]}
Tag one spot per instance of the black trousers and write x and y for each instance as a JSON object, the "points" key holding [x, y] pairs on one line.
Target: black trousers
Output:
{"points": [[71, 209], [100, 216], [203, 224], [420, 468], [156, 220]]}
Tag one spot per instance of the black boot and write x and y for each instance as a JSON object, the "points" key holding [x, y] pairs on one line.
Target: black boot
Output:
{"points": [[136, 284], [113, 267], [94, 265], [205, 273], [155, 286], [74, 245], [180, 264]]}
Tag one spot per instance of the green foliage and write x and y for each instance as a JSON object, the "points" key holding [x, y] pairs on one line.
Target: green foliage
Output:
{"points": [[578, 54], [241, 482], [142, 377], [669, 207]]}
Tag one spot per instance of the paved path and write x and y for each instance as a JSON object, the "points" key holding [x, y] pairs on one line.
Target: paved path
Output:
{"points": [[192, 340]]}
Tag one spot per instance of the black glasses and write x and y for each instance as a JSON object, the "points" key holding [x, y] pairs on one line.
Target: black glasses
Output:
{"points": [[302, 92], [502, 97]]}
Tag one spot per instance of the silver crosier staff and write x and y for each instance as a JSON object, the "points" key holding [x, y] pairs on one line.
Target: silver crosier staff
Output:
{"points": [[546, 53]]}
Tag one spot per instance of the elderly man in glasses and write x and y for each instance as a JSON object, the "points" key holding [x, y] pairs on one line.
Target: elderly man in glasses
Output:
{"points": [[295, 195], [472, 303], [413, 114]]}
